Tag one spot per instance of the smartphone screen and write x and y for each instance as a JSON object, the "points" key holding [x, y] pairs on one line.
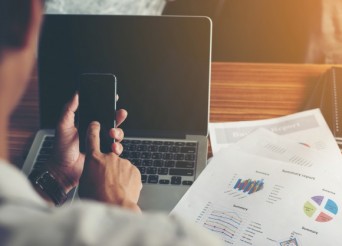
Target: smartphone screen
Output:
{"points": [[97, 102]]}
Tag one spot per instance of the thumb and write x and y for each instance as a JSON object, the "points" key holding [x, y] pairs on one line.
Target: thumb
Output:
{"points": [[68, 116], [93, 137]]}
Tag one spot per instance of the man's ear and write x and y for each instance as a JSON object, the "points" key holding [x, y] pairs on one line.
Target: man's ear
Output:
{"points": [[31, 33], [22, 22]]}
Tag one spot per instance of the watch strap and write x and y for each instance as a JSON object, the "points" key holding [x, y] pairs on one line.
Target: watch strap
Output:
{"points": [[49, 185]]}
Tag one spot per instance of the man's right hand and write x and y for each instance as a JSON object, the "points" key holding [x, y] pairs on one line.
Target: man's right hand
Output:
{"points": [[107, 177]]}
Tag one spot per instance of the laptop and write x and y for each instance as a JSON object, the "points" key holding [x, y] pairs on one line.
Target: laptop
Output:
{"points": [[162, 65]]}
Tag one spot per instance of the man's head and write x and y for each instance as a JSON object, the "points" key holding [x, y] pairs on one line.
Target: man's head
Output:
{"points": [[14, 20], [20, 22]]}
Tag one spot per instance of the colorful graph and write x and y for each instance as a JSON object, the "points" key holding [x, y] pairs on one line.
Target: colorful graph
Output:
{"points": [[249, 186], [320, 208], [227, 224], [232, 224]]}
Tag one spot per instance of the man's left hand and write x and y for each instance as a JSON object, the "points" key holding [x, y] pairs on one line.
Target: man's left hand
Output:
{"points": [[67, 162]]}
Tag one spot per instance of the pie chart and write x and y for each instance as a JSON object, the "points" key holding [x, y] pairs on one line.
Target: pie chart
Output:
{"points": [[320, 208]]}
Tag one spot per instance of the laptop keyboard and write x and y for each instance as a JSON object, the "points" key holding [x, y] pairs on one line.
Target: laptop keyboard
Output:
{"points": [[44, 152], [162, 162], [159, 162]]}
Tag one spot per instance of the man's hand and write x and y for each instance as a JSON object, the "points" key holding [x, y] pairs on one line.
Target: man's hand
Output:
{"points": [[107, 177], [67, 162]]}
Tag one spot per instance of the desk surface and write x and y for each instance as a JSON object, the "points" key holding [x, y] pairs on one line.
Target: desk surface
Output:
{"points": [[239, 91]]}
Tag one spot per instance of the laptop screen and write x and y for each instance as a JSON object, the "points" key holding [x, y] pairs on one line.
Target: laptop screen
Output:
{"points": [[162, 65]]}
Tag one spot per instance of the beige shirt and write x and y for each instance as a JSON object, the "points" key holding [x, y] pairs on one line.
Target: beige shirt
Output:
{"points": [[26, 219]]}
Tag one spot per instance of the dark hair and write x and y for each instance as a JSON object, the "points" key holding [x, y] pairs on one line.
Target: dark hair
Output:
{"points": [[14, 22]]}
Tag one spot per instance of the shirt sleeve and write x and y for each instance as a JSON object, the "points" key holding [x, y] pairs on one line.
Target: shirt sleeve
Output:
{"points": [[26, 220]]}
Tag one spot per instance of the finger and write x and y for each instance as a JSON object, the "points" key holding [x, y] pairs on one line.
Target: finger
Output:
{"points": [[117, 134], [68, 115], [73, 103], [121, 116], [93, 137], [117, 148]]}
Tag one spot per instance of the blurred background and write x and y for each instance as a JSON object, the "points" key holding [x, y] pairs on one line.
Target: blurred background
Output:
{"points": [[277, 31]]}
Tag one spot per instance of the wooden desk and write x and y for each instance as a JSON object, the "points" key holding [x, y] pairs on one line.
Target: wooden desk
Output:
{"points": [[239, 91]]}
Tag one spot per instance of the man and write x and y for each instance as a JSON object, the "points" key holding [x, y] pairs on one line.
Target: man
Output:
{"points": [[113, 217]]}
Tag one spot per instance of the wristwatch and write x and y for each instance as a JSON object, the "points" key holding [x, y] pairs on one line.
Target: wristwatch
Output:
{"points": [[49, 185]]}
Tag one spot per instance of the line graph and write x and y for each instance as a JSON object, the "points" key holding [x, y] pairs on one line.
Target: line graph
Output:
{"points": [[227, 224]]}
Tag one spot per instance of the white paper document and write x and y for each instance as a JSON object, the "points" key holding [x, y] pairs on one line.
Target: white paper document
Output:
{"points": [[267, 144], [248, 199], [308, 128]]}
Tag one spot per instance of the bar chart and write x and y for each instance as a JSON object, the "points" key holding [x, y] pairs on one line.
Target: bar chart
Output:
{"points": [[249, 186]]}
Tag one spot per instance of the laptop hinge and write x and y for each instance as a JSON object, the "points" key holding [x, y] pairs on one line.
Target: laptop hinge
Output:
{"points": [[154, 134]]}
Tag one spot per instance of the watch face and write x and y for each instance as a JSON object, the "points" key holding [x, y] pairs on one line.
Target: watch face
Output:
{"points": [[43, 180], [48, 184]]}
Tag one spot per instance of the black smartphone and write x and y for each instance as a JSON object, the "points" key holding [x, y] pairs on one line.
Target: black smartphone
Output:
{"points": [[97, 102]]}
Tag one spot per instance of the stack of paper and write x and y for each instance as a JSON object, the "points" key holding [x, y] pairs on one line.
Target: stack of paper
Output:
{"points": [[270, 182]]}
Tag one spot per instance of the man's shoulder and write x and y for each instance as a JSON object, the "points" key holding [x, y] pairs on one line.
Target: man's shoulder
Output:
{"points": [[121, 225], [85, 222], [14, 185]]}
